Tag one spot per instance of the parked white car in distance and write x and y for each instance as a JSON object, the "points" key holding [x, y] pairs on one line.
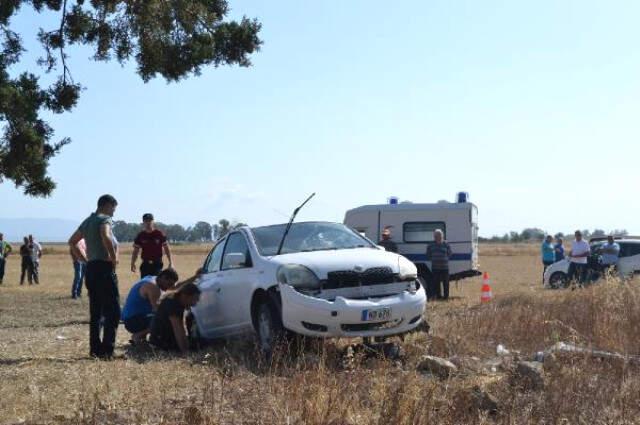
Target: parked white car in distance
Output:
{"points": [[328, 281], [557, 274]]}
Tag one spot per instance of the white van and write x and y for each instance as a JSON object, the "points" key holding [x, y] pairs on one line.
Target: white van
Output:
{"points": [[412, 227]]}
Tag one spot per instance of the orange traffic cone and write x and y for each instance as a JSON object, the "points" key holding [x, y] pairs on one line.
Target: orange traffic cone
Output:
{"points": [[486, 289]]}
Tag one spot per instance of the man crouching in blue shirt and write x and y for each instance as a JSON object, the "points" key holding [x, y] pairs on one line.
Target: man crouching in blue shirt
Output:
{"points": [[142, 302]]}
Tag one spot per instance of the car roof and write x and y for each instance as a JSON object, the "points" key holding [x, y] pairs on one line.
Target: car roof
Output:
{"points": [[296, 222], [617, 240]]}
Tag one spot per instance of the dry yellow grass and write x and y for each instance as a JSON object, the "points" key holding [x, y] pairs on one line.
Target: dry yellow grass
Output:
{"points": [[47, 377]]}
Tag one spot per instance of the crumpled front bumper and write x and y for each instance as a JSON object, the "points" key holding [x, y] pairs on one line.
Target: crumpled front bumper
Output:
{"points": [[342, 317]]}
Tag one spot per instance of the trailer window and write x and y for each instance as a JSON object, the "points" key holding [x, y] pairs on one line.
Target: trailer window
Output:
{"points": [[422, 232]]}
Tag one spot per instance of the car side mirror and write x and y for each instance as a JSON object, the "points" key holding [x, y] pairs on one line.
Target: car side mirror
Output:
{"points": [[235, 260]]}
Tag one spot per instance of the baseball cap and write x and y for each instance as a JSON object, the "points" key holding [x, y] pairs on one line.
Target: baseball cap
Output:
{"points": [[147, 217]]}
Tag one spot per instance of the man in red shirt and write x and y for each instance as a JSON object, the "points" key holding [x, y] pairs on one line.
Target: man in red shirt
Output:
{"points": [[151, 242]]}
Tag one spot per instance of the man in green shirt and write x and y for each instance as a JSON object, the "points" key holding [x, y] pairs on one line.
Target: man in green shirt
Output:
{"points": [[101, 280], [5, 251]]}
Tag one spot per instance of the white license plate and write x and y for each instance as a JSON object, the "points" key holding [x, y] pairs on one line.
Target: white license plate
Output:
{"points": [[379, 314]]}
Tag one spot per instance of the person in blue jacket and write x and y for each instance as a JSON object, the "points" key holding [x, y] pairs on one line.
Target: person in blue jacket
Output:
{"points": [[548, 251], [559, 249]]}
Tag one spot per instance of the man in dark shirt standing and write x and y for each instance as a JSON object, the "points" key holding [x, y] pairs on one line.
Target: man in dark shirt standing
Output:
{"points": [[27, 262], [101, 280], [151, 242], [439, 253], [386, 241]]}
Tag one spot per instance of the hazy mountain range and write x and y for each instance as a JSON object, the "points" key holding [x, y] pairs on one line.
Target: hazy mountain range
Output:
{"points": [[43, 229]]}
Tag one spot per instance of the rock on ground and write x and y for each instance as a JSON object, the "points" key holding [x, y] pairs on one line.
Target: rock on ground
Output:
{"points": [[529, 375], [467, 363], [475, 399], [437, 366]]}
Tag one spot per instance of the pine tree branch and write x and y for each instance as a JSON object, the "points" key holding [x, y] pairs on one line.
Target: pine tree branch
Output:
{"points": [[65, 69]]}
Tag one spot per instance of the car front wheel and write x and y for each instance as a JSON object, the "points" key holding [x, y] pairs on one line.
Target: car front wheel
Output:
{"points": [[558, 280], [193, 333], [269, 328]]}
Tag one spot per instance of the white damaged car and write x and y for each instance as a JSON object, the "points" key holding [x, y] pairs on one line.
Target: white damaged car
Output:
{"points": [[327, 281]]}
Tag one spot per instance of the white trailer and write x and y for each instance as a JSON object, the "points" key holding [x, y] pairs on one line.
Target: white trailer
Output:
{"points": [[412, 226]]}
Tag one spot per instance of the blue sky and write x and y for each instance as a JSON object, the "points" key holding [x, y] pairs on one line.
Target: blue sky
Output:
{"points": [[530, 106]]}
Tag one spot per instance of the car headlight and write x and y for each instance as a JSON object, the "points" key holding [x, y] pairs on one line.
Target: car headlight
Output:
{"points": [[407, 270], [298, 276]]}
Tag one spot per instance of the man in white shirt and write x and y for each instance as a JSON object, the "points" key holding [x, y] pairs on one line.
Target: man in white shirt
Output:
{"points": [[578, 257], [609, 254]]}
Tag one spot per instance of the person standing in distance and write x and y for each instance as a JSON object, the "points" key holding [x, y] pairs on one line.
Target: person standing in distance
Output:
{"points": [[79, 259], [101, 279], [151, 242], [610, 253], [548, 252], [578, 257], [386, 241], [26, 263], [439, 253], [36, 254], [559, 249], [5, 251]]}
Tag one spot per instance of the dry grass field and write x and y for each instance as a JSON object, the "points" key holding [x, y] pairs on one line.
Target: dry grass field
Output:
{"points": [[46, 375]]}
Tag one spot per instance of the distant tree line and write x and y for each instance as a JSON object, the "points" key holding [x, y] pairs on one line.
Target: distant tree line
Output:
{"points": [[202, 231], [534, 234]]}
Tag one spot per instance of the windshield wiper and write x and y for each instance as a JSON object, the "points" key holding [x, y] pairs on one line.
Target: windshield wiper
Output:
{"points": [[293, 217]]}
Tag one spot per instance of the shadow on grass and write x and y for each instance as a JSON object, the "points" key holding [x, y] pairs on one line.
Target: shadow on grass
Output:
{"points": [[48, 325], [58, 360]]}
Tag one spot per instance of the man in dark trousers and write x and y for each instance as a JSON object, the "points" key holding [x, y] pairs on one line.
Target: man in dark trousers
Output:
{"points": [[439, 253], [386, 241], [101, 279], [151, 242], [27, 262]]}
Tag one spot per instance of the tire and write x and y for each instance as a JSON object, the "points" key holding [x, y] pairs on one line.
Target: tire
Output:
{"points": [[269, 328], [193, 333], [558, 280]]}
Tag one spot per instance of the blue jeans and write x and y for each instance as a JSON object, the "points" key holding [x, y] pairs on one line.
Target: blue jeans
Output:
{"points": [[79, 269]]}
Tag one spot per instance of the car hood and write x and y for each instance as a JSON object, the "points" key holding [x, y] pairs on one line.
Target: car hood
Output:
{"points": [[323, 262]]}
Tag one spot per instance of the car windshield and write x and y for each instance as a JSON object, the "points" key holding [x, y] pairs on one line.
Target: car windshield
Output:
{"points": [[307, 237]]}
